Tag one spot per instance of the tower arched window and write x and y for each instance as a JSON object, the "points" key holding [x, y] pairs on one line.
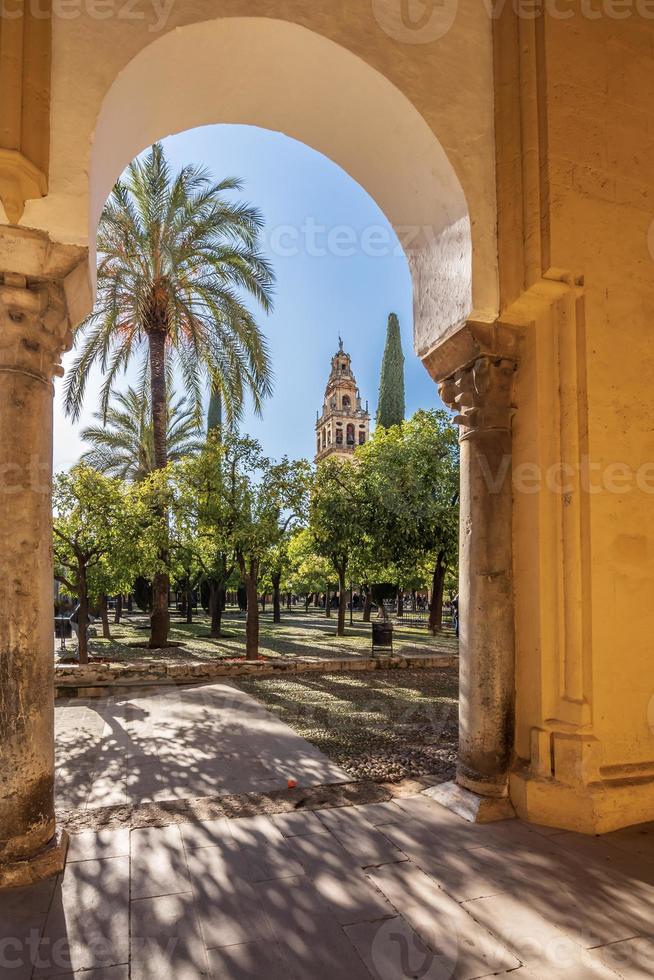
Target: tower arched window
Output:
{"points": [[346, 402], [350, 435], [339, 436]]}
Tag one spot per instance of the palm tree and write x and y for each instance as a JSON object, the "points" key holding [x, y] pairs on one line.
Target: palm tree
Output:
{"points": [[175, 260], [122, 441]]}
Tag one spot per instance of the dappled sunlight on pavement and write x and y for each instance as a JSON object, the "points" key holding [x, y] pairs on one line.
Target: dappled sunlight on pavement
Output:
{"points": [[385, 891]]}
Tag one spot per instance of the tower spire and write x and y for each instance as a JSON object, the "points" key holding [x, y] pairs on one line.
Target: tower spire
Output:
{"points": [[343, 424]]}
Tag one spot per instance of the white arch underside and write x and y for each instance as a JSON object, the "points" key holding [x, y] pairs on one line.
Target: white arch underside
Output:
{"points": [[283, 77]]}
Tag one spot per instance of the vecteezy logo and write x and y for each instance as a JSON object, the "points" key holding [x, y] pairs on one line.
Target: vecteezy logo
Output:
{"points": [[398, 953], [415, 21]]}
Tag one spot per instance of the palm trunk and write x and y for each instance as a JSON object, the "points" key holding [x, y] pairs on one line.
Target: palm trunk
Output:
{"points": [[160, 619], [104, 616], [436, 605], [119, 609], [342, 604], [277, 607]]}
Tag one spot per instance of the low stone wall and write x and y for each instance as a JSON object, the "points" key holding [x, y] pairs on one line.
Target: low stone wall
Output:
{"points": [[94, 679]]}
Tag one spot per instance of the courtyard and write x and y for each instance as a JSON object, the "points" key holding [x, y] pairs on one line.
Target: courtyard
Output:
{"points": [[299, 634], [189, 857]]}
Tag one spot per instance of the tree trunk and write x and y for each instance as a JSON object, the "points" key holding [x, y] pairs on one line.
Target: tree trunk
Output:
{"points": [[119, 609], [216, 609], [263, 603], [367, 605], [277, 607], [189, 602], [400, 603], [414, 601], [289, 601], [307, 603], [328, 604], [130, 603], [83, 616], [436, 605], [160, 619], [252, 617], [342, 604], [104, 616]]}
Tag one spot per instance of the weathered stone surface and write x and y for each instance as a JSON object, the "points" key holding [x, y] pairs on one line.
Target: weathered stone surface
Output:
{"points": [[481, 393], [471, 806], [83, 678], [45, 863], [34, 331]]}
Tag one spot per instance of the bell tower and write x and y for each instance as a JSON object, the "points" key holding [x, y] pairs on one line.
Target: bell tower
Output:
{"points": [[344, 424]]}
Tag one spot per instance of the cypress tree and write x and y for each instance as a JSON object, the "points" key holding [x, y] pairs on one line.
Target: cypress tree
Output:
{"points": [[390, 407], [215, 413]]}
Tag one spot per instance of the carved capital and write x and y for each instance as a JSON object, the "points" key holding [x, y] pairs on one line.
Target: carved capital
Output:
{"points": [[34, 328], [481, 394]]}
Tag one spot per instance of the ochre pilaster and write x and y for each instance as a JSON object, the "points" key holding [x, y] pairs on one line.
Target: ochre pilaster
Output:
{"points": [[25, 45]]}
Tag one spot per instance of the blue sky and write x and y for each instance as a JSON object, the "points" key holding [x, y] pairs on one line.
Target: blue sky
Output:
{"points": [[339, 270]]}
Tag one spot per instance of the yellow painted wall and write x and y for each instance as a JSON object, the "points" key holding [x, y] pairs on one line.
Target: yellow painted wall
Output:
{"points": [[585, 558]]}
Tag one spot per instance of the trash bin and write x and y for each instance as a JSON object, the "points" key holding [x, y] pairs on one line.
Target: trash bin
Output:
{"points": [[382, 636]]}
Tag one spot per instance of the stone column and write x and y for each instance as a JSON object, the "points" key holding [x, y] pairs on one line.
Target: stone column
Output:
{"points": [[34, 330], [481, 395]]}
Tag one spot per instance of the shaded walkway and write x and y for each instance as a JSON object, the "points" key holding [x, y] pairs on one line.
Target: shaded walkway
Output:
{"points": [[169, 742], [388, 891]]}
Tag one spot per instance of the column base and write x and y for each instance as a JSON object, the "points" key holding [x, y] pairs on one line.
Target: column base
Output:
{"points": [[471, 806], [594, 808], [49, 861]]}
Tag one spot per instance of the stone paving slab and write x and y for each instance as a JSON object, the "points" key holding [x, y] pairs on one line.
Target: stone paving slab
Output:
{"points": [[319, 914], [168, 743]]}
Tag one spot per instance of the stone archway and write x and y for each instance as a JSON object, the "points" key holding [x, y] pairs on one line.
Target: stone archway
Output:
{"points": [[320, 92]]}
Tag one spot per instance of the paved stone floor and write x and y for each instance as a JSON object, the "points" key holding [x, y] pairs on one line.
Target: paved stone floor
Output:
{"points": [[388, 891], [163, 743], [395, 890]]}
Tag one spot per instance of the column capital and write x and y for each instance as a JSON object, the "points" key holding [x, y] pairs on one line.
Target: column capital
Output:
{"points": [[45, 289], [34, 327], [481, 394]]}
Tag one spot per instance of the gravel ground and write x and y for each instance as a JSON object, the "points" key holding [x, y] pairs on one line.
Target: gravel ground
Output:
{"points": [[381, 725], [299, 634]]}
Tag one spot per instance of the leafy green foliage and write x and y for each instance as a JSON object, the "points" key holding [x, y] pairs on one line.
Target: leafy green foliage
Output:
{"points": [[335, 519], [175, 257], [96, 524], [309, 572], [123, 443]]}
